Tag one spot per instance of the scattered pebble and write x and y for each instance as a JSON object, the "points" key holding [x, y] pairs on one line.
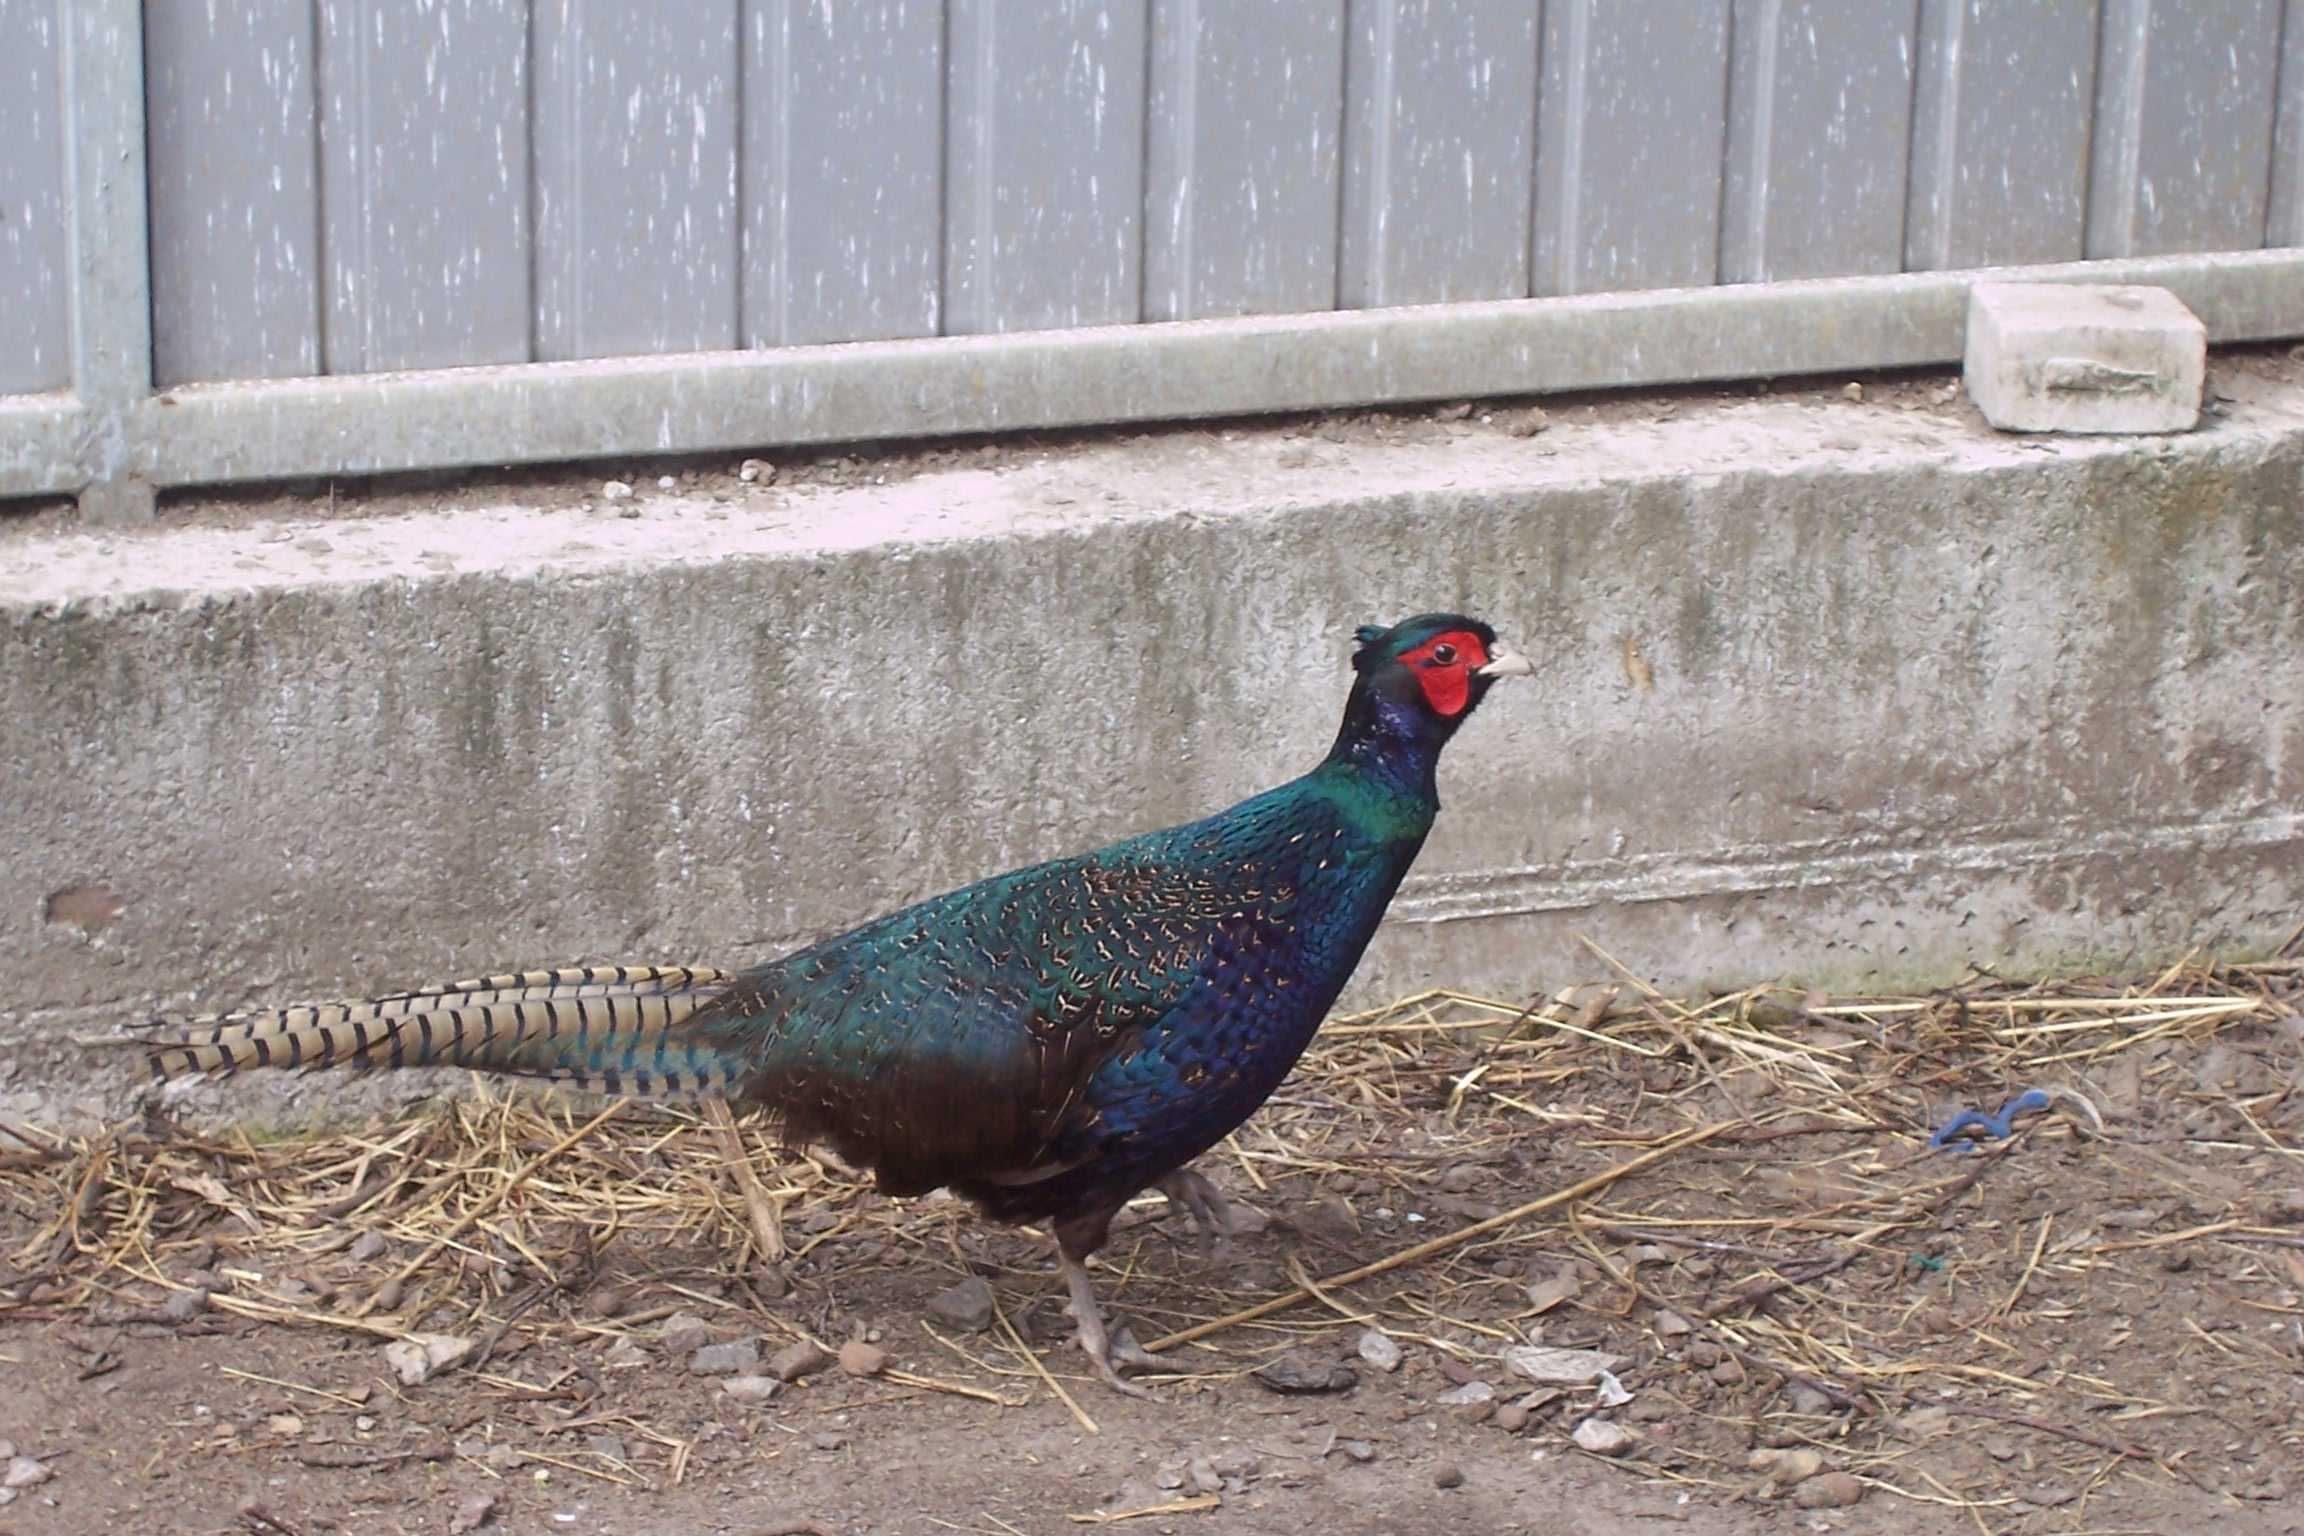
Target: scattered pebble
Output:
{"points": [[751, 1389], [1602, 1437], [1470, 1392], [683, 1333], [367, 1247], [25, 1472], [1307, 1371], [1524, 423], [1832, 1490], [1358, 1450], [667, 483], [1513, 1417], [1561, 1367], [1548, 1293], [1380, 1351], [616, 490], [966, 1306], [858, 1358], [183, 1306], [422, 1356], [1463, 1178], [828, 1440], [1852, 391], [1803, 1398], [797, 1359], [1453, 412], [473, 1513], [1672, 1325], [1786, 1468], [756, 472], [1447, 1475], [733, 1357], [624, 1353]]}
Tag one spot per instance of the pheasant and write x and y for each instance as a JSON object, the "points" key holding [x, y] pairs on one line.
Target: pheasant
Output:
{"points": [[1047, 1043]]}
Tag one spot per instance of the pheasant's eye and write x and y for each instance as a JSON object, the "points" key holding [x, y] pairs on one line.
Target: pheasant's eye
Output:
{"points": [[1444, 654]]}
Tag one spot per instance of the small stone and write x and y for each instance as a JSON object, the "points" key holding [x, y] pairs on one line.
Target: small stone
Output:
{"points": [[8, 1496], [1548, 1293], [368, 1247], [616, 490], [1803, 1398], [1205, 1478], [751, 1389], [1672, 1325], [797, 1359], [1514, 1416], [828, 1440], [1923, 1423], [1832, 1490], [2287, 1207], [1728, 1370], [1379, 1350], [1561, 1367], [422, 1356], [364, 1422], [1524, 423], [1467, 1394], [1308, 1371], [1447, 1475], [966, 1306], [1463, 1178], [725, 1359], [1852, 391], [473, 1513], [624, 1353], [1358, 1450], [24, 1472], [667, 483], [1603, 1437], [1786, 1468], [683, 1333], [756, 472], [1454, 412], [613, 1301], [858, 1358], [183, 1306]]}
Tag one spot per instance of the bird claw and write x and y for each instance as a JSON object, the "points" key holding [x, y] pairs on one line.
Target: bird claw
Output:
{"points": [[1211, 1213]]}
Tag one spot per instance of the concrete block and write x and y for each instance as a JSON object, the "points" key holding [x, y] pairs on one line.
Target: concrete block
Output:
{"points": [[2084, 358]]}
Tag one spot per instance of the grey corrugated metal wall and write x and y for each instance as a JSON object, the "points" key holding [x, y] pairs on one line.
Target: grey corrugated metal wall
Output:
{"points": [[356, 185], [669, 208]]}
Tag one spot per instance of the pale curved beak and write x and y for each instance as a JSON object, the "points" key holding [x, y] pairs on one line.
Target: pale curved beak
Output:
{"points": [[1507, 664]]}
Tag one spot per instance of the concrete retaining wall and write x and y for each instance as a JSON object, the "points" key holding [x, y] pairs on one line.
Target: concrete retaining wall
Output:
{"points": [[1857, 693]]}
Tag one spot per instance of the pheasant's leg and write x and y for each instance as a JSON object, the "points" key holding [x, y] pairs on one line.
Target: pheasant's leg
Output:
{"points": [[1095, 1339], [1211, 1212]]}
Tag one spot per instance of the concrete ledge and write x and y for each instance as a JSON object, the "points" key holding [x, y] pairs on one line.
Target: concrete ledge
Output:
{"points": [[547, 412], [1856, 693]]}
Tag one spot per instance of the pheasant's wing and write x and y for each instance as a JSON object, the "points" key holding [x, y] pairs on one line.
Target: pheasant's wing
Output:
{"points": [[955, 1039]]}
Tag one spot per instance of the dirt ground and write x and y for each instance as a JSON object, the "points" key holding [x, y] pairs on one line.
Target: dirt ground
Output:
{"points": [[2071, 1330]]}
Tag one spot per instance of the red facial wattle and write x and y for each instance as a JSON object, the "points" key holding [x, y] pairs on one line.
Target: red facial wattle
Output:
{"points": [[1443, 668]]}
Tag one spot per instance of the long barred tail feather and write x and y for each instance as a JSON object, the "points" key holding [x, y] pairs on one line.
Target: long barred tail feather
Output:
{"points": [[605, 1029]]}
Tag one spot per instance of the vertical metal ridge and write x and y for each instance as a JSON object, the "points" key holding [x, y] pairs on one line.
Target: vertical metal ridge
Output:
{"points": [[108, 243]]}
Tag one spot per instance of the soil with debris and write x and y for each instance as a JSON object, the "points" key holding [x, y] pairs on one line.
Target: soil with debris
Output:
{"points": [[1609, 1261]]}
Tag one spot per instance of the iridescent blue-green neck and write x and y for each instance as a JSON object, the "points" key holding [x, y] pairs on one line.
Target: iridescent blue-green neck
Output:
{"points": [[1384, 767]]}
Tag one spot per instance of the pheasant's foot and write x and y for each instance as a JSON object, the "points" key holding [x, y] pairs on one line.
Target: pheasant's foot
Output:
{"points": [[1211, 1212], [1095, 1339]]}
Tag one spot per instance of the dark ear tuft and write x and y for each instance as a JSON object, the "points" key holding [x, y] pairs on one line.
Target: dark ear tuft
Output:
{"points": [[1367, 635]]}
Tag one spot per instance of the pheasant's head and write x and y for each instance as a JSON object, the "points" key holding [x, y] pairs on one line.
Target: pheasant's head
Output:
{"points": [[1418, 680]]}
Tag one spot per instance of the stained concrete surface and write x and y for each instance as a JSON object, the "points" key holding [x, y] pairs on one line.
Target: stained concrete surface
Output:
{"points": [[1855, 693]]}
